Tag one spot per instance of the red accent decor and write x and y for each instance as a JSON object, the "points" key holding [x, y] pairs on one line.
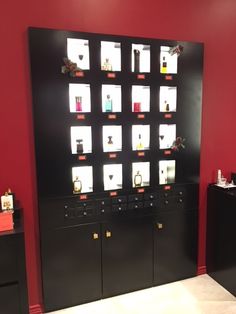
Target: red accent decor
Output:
{"points": [[167, 187], [167, 152], [113, 155], [113, 193], [82, 157], [111, 75], [6, 220], [168, 115], [141, 116], [83, 197], [79, 74], [168, 77], [112, 116], [80, 116], [141, 154], [141, 76], [141, 190]]}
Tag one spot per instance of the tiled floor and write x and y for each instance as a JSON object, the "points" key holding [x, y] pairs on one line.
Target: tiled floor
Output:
{"points": [[198, 295]]}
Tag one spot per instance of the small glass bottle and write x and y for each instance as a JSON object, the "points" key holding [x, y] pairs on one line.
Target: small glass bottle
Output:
{"points": [[140, 144], [136, 60], [79, 146], [110, 142], [164, 65], [108, 104], [77, 185], [167, 106], [78, 103], [138, 179]]}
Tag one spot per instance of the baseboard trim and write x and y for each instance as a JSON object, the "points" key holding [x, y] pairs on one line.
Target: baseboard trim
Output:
{"points": [[201, 270], [36, 309]]}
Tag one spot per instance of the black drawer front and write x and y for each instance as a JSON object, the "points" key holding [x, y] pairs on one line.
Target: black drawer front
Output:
{"points": [[8, 260], [9, 299]]}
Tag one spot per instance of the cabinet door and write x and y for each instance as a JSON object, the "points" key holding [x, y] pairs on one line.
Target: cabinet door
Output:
{"points": [[9, 299], [71, 266], [175, 246], [127, 256]]}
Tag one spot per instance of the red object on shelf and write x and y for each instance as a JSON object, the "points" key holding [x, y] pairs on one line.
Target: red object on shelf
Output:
{"points": [[111, 75], [167, 187], [137, 106], [141, 76], [6, 220]]}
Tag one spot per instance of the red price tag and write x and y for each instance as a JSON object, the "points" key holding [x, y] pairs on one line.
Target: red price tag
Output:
{"points": [[79, 74], [167, 152], [167, 187], [83, 197], [168, 115], [169, 77], [141, 154], [80, 117], [141, 76], [111, 75], [113, 193], [141, 116], [112, 116], [112, 155], [82, 157], [141, 190]]}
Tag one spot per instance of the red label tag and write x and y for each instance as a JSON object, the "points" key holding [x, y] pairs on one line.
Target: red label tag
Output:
{"points": [[113, 193], [141, 116], [80, 117], [169, 77], [112, 155], [167, 187], [168, 116], [79, 74], [112, 116], [167, 152], [111, 75], [141, 76], [82, 157], [141, 190], [83, 197], [141, 154]]}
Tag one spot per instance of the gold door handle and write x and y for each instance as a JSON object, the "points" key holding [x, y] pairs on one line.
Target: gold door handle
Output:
{"points": [[159, 225], [95, 236], [108, 234]]}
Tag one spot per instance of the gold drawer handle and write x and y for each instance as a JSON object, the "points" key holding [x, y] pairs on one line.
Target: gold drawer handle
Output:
{"points": [[95, 236], [159, 225], [108, 234]]}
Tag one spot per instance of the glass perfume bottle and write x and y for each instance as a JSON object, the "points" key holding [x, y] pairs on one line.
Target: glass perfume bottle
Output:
{"points": [[137, 106], [136, 60], [110, 142], [107, 65], [167, 106], [79, 146], [78, 103], [164, 65], [108, 104], [140, 144], [138, 179], [77, 185]]}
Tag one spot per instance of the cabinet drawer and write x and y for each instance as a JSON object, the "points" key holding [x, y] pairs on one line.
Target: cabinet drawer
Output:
{"points": [[9, 299], [8, 260]]}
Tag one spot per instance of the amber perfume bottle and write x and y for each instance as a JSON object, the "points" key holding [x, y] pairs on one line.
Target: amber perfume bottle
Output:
{"points": [[79, 146], [164, 65], [167, 106], [136, 60], [138, 179], [78, 103], [77, 185], [140, 144], [108, 104]]}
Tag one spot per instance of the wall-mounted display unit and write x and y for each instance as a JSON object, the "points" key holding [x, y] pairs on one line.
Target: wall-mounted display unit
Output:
{"points": [[117, 144]]}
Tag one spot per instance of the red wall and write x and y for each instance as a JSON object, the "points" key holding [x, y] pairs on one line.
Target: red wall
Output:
{"points": [[212, 22]]}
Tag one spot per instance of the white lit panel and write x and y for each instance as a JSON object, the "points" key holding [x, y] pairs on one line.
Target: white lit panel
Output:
{"points": [[166, 171], [140, 58], [168, 98], [168, 62], [112, 138], [81, 139], [110, 56], [78, 52], [112, 177], [167, 135], [140, 174], [111, 98], [82, 179], [140, 137], [79, 97], [140, 98]]}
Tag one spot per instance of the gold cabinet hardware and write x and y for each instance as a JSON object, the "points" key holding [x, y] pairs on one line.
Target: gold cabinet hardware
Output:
{"points": [[108, 234], [95, 236], [159, 225]]}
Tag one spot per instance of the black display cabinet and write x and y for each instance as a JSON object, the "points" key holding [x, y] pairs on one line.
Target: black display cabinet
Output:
{"points": [[117, 141]]}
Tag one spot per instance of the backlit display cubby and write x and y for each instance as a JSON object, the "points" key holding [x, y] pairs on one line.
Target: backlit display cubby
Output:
{"points": [[117, 124]]}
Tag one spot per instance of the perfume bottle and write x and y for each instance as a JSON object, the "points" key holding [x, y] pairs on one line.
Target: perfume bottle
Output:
{"points": [[164, 65], [138, 179], [110, 142], [136, 60], [107, 65], [140, 144], [167, 106], [137, 106], [78, 103], [77, 185], [79, 146], [108, 104]]}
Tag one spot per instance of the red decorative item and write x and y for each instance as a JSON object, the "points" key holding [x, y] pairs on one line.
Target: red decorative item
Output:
{"points": [[137, 106], [6, 220]]}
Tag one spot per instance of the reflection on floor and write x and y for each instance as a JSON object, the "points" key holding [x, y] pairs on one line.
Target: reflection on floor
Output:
{"points": [[198, 295]]}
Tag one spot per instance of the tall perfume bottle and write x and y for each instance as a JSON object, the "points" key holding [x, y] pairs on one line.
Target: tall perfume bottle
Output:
{"points": [[138, 179], [79, 146], [77, 185], [164, 65], [108, 104], [139, 146], [137, 106], [136, 60], [167, 106], [78, 103]]}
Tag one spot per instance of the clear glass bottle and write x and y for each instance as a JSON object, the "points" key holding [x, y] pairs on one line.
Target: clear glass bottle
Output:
{"points": [[77, 185], [108, 104], [136, 60], [140, 144], [79, 146], [138, 179]]}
